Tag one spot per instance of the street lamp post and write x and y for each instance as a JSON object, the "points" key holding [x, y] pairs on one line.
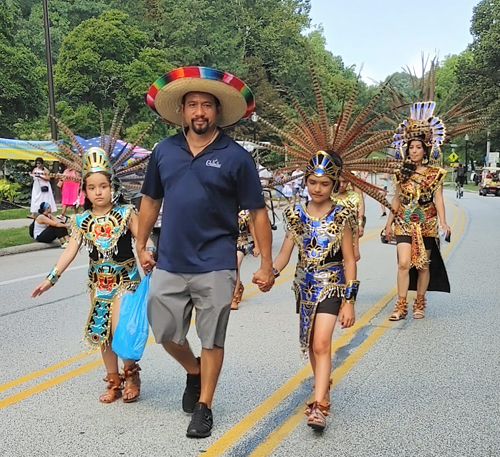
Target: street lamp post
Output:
{"points": [[254, 119], [466, 158], [50, 77]]}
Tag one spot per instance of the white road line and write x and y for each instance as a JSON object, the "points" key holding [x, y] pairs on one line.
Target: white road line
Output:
{"points": [[40, 275]]}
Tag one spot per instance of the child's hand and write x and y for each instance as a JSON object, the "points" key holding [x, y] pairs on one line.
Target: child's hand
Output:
{"points": [[256, 251], [146, 260], [346, 317], [41, 288]]}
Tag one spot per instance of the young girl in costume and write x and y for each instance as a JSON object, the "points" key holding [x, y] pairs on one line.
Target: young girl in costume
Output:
{"points": [[243, 247], [106, 228], [325, 279], [418, 203]]}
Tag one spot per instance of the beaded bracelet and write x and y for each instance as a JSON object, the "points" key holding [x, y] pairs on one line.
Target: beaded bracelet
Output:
{"points": [[53, 276], [276, 272], [362, 221]]}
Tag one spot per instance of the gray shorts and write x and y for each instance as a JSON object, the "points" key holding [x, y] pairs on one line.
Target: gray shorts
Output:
{"points": [[172, 297]]}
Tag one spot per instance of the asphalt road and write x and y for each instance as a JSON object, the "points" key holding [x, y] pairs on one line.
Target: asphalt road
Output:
{"points": [[412, 388]]}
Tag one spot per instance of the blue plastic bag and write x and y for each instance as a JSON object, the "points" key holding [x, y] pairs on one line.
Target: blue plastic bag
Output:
{"points": [[131, 332]]}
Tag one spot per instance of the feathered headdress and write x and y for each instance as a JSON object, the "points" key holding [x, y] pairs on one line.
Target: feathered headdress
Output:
{"points": [[423, 125], [121, 166], [352, 139], [460, 118]]}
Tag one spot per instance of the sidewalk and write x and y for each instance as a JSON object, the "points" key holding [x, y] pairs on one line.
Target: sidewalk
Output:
{"points": [[17, 223]]}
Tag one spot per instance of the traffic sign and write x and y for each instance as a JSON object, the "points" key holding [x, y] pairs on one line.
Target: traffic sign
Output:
{"points": [[453, 157]]}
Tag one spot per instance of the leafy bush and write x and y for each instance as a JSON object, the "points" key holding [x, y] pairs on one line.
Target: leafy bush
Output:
{"points": [[8, 190], [18, 172]]}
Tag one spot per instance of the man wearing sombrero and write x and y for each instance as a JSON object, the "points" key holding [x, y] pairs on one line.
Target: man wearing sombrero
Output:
{"points": [[203, 178]]}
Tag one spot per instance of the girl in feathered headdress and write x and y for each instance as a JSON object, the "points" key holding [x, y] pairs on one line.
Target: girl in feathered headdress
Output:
{"points": [[106, 228], [417, 205], [325, 281]]}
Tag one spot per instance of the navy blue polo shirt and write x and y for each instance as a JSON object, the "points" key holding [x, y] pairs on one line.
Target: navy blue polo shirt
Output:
{"points": [[201, 199]]}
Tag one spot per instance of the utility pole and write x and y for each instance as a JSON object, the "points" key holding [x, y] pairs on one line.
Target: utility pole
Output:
{"points": [[50, 77]]}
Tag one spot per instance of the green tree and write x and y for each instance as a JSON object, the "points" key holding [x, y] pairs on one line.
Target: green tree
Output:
{"points": [[94, 56], [21, 77], [478, 69], [64, 16]]}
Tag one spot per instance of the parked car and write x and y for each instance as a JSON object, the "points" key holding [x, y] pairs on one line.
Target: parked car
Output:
{"points": [[490, 181]]}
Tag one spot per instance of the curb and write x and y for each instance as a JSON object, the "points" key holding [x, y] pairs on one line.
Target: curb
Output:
{"points": [[35, 246]]}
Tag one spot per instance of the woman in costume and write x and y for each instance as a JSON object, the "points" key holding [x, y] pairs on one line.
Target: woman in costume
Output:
{"points": [[41, 190], [105, 228], [418, 211], [325, 282], [244, 246]]}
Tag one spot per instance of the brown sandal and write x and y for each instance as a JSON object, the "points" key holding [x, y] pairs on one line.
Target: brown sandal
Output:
{"points": [[400, 310], [114, 388], [132, 382], [307, 411], [319, 412], [419, 307]]}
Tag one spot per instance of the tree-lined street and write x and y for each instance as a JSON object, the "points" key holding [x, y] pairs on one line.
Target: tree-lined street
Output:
{"points": [[412, 388]]}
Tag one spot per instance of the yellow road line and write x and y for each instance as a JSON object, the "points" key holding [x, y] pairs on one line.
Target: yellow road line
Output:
{"points": [[46, 384], [62, 364], [277, 436], [36, 374], [273, 439], [232, 435], [297, 416]]}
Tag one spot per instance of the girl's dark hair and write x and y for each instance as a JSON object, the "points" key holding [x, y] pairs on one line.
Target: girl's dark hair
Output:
{"points": [[87, 204], [338, 162], [39, 159]]}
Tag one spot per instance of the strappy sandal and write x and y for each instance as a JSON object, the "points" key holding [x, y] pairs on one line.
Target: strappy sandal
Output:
{"points": [[114, 388], [319, 413], [400, 310], [132, 383], [308, 409], [419, 308]]}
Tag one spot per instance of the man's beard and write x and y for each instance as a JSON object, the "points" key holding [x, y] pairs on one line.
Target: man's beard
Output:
{"points": [[200, 129]]}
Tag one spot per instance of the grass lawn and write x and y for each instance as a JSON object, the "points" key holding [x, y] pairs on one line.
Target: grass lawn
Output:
{"points": [[15, 237], [20, 213]]}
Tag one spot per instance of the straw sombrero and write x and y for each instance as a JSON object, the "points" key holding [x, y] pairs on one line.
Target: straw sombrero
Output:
{"points": [[164, 97]]}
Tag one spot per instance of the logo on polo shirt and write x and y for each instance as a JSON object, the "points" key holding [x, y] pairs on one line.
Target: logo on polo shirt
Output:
{"points": [[213, 163]]}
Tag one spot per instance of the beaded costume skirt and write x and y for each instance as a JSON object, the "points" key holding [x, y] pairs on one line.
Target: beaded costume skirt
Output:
{"points": [[107, 280]]}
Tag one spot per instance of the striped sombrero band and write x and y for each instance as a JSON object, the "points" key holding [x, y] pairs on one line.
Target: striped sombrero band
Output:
{"points": [[164, 97]]}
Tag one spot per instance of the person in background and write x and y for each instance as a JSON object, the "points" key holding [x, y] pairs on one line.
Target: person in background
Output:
{"points": [[297, 184], [278, 177], [419, 208], [41, 191], [47, 228], [69, 183]]}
